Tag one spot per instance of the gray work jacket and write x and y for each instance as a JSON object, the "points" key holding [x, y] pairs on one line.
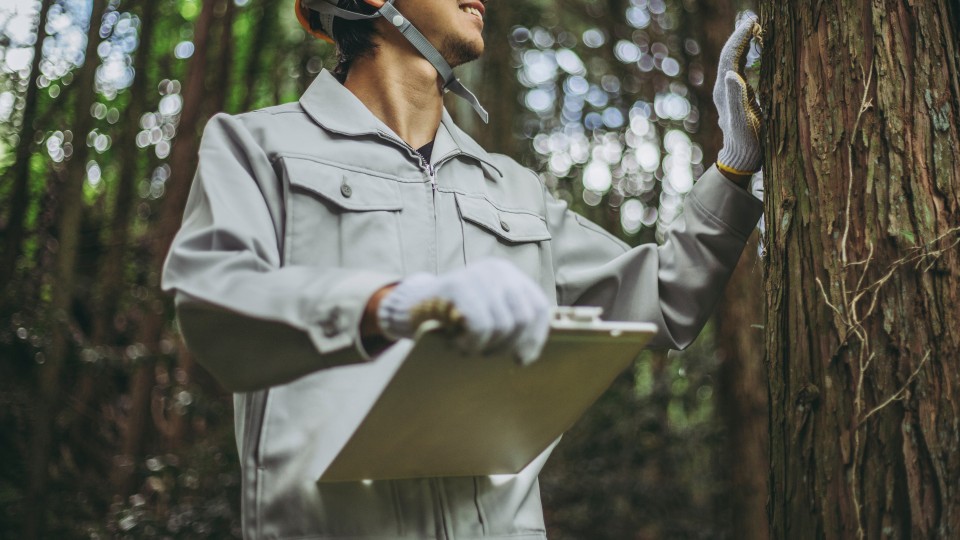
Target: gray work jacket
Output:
{"points": [[300, 212]]}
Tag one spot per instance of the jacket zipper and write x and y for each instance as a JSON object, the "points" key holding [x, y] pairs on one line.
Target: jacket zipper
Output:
{"points": [[432, 172], [432, 175], [427, 168]]}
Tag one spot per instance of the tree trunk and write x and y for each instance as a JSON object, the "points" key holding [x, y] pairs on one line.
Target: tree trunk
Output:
{"points": [[20, 171], [498, 84], [742, 399], [223, 75], [71, 211], [862, 325], [713, 22], [110, 280], [266, 31], [183, 159]]}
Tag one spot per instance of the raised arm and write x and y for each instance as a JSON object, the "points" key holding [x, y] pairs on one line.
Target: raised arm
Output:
{"points": [[675, 285]]}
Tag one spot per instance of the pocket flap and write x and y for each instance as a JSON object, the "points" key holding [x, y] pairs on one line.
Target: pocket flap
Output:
{"points": [[347, 189], [510, 225]]}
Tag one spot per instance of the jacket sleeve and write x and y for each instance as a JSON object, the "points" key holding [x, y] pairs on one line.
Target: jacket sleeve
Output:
{"points": [[675, 285], [250, 320]]}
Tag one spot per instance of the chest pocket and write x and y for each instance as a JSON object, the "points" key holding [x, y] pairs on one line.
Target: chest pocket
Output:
{"points": [[490, 231], [341, 218]]}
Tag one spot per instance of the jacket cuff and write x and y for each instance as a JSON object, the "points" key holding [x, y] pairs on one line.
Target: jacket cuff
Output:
{"points": [[335, 312], [728, 203]]}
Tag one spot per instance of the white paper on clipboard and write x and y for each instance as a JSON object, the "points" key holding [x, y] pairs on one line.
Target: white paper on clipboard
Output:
{"points": [[446, 414]]}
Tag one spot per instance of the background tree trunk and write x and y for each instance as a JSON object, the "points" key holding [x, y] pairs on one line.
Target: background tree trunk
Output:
{"points": [[862, 325], [183, 160], [68, 228], [13, 234], [742, 398], [266, 32], [742, 388], [110, 280], [222, 76], [499, 79]]}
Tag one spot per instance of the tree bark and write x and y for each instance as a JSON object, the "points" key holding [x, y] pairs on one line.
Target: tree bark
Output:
{"points": [[20, 171], [862, 330]]}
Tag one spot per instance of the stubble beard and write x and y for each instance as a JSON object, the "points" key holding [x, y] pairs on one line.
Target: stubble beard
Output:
{"points": [[457, 51]]}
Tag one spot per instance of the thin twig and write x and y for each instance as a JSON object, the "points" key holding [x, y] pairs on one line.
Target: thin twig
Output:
{"points": [[898, 394], [826, 299], [852, 322], [866, 263], [865, 105]]}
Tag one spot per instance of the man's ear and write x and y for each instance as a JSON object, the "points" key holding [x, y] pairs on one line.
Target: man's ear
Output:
{"points": [[376, 3]]}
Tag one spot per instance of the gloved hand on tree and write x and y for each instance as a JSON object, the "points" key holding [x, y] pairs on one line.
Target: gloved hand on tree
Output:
{"points": [[742, 154], [494, 305]]}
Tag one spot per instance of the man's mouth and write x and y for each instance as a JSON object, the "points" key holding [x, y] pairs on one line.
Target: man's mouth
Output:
{"points": [[475, 9]]}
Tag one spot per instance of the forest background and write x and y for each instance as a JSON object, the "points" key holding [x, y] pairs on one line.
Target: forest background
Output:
{"points": [[108, 428]]}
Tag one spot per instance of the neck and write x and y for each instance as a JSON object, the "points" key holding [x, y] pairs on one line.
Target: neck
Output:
{"points": [[399, 87]]}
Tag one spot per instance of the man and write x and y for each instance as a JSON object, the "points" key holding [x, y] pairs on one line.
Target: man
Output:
{"points": [[317, 231]]}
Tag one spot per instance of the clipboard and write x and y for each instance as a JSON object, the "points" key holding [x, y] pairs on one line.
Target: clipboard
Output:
{"points": [[443, 413]]}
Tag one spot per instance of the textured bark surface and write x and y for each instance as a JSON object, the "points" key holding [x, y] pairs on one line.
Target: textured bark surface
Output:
{"points": [[862, 337]]}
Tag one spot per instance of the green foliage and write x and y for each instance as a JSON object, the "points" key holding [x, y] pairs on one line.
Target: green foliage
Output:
{"points": [[189, 9], [6, 156]]}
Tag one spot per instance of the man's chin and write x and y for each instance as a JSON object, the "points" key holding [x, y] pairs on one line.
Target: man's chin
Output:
{"points": [[457, 53]]}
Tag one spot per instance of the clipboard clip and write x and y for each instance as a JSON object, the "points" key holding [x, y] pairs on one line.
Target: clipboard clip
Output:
{"points": [[577, 314], [446, 316]]}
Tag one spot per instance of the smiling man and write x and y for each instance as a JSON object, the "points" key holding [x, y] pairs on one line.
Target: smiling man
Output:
{"points": [[318, 234]]}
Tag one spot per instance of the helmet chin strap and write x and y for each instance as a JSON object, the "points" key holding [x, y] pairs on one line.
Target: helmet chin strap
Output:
{"points": [[329, 11]]}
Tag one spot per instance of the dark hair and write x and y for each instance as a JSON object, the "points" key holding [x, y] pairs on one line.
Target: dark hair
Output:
{"points": [[354, 39]]}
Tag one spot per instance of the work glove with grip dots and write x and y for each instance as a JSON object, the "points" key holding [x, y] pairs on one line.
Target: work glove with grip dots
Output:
{"points": [[490, 305], [736, 103]]}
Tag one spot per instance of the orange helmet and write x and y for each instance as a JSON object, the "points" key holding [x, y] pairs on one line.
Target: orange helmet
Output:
{"points": [[317, 16], [303, 15]]}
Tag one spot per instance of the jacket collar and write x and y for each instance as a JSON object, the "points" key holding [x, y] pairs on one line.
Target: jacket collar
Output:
{"points": [[336, 109], [464, 143]]}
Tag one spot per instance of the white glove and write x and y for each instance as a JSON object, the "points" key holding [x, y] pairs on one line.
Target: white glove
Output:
{"points": [[737, 104], [498, 306]]}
